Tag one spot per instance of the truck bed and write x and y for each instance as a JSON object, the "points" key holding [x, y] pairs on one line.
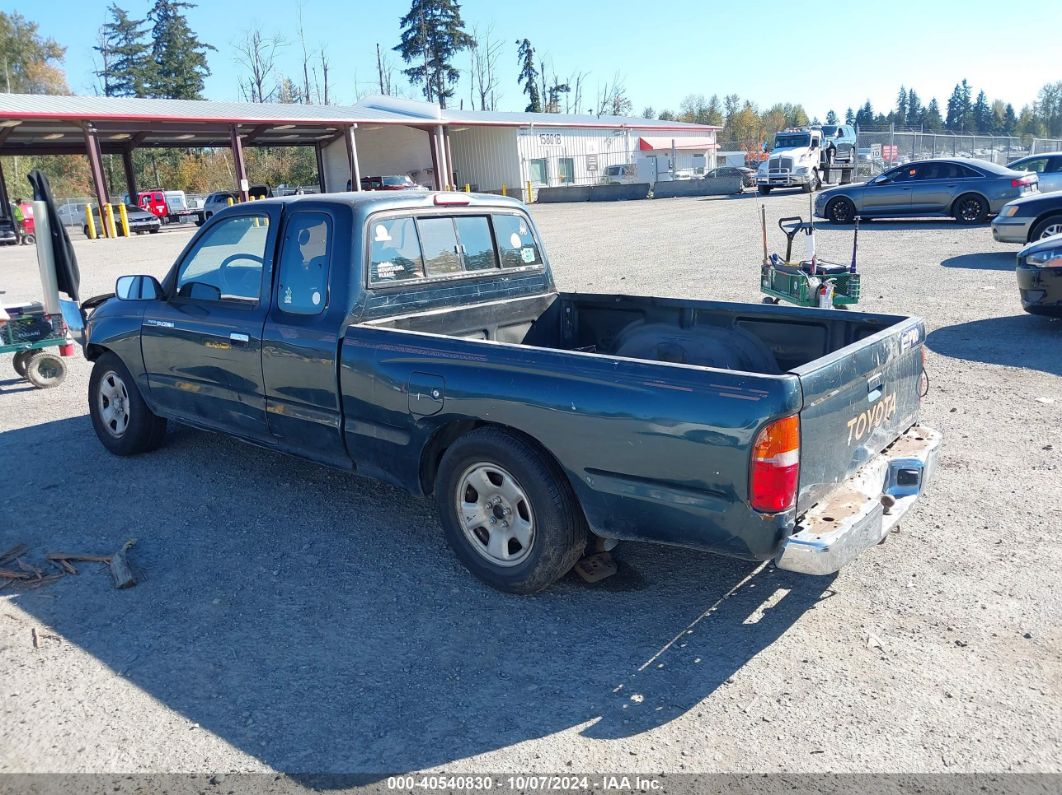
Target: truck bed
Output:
{"points": [[652, 402]]}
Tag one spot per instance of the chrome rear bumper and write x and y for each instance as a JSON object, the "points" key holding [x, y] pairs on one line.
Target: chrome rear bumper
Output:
{"points": [[864, 508]]}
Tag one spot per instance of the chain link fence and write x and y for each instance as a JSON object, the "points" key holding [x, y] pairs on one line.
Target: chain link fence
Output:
{"points": [[1041, 145]]}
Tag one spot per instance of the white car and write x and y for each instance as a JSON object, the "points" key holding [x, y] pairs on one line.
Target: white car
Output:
{"points": [[1048, 166], [72, 213]]}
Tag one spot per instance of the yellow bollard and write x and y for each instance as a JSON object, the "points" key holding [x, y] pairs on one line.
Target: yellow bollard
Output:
{"points": [[505, 191], [229, 200], [124, 217], [90, 222], [112, 231], [468, 188], [530, 195]]}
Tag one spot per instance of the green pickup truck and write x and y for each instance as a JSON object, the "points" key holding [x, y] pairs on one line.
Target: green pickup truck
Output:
{"points": [[418, 338]]}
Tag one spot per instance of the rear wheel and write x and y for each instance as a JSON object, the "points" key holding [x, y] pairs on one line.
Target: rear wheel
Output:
{"points": [[763, 190], [841, 210], [20, 362], [1050, 226], [508, 511], [122, 420], [45, 370], [971, 209]]}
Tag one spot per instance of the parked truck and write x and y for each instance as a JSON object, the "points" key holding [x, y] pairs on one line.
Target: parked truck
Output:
{"points": [[420, 339], [807, 158]]}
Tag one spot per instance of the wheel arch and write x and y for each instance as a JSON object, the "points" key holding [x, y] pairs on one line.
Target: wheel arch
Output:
{"points": [[94, 351], [1053, 212]]}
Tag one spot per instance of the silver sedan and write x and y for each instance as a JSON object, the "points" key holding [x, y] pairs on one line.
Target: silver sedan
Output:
{"points": [[965, 189]]}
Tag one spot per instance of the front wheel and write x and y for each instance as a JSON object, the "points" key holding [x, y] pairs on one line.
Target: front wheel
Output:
{"points": [[20, 360], [122, 420], [763, 190], [508, 511], [841, 210], [1049, 227], [971, 209]]}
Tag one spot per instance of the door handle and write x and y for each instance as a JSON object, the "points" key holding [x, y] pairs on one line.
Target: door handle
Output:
{"points": [[875, 387], [239, 337]]}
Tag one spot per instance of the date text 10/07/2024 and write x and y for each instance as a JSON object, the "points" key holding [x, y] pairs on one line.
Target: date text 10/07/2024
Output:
{"points": [[570, 783]]}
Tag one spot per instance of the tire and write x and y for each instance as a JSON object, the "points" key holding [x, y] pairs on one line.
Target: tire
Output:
{"points": [[20, 360], [763, 190], [813, 185], [1050, 226], [970, 209], [154, 230], [45, 370], [522, 487], [841, 210], [129, 427], [85, 230]]}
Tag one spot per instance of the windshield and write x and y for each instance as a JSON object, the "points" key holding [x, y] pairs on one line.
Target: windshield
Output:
{"points": [[829, 129], [784, 141], [397, 181]]}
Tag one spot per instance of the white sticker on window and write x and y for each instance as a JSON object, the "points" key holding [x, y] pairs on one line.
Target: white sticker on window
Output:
{"points": [[514, 240], [385, 270], [527, 254], [316, 298], [382, 235], [523, 228]]}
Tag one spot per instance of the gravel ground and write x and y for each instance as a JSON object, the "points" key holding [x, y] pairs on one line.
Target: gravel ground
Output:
{"points": [[295, 619]]}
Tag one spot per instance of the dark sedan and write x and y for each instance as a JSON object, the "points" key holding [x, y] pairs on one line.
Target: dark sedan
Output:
{"points": [[1040, 277], [140, 221], [967, 190], [748, 175], [1030, 219]]}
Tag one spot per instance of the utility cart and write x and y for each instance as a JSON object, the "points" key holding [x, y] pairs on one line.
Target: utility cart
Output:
{"points": [[809, 282], [29, 333]]}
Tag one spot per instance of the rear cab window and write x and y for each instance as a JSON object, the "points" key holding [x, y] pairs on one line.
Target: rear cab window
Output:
{"points": [[436, 246]]}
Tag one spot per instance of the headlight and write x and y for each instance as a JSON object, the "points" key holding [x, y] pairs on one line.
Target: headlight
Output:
{"points": [[1008, 211], [802, 170], [1048, 258]]}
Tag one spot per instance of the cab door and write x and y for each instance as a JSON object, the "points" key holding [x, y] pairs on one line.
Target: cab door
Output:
{"points": [[202, 344], [300, 342]]}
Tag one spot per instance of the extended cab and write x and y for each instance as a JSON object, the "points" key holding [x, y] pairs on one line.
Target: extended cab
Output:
{"points": [[418, 338]]}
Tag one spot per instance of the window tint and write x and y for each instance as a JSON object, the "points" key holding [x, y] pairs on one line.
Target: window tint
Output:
{"points": [[966, 172], [438, 240], [303, 280], [1039, 165], [516, 243], [395, 253], [226, 264], [477, 244], [903, 174]]}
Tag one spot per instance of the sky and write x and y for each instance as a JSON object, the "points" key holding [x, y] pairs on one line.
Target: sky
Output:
{"points": [[768, 51]]}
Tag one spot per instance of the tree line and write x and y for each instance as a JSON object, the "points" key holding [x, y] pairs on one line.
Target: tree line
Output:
{"points": [[162, 56]]}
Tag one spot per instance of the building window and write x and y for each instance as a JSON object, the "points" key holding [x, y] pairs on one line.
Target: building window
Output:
{"points": [[538, 172], [565, 170]]}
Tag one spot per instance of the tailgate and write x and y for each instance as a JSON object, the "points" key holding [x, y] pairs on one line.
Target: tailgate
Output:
{"points": [[857, 401]]}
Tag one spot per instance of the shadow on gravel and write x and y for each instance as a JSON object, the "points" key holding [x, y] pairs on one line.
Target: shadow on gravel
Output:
{"points": [[317, 621], [903, 224], [1016, 341], [989, 261]]}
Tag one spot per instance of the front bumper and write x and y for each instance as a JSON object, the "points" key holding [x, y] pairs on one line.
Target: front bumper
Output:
{"points": [[1014, 229], [855, 518], [783, 180], [1040, 289]]}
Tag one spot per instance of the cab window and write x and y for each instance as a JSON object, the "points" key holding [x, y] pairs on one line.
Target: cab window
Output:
{"points": [[516, 242], [1039, 165], [395, 251], [303, 278], [226, 263]]}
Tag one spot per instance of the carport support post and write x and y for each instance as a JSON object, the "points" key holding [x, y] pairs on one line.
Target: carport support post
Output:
{"points": [[449, 159], [352, 156], [237, 161], [440, 157], [5, 207], [95, 158], [320, 168], [130, 175]]}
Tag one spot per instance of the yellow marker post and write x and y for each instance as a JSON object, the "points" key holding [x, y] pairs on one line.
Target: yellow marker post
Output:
{"points": [[124, 218], [468, 188], [90, 223], [229, 200], [505, 191], [530, 195], [112, 231]]}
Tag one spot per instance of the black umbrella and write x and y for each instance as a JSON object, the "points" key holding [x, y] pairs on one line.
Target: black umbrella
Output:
{"points": [[67, 276]]}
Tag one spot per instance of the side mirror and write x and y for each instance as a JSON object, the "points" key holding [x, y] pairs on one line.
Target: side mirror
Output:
{"points": [[138, 288]]}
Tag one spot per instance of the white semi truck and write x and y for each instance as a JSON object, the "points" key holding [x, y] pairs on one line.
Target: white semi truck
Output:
{"points": [[807, 157]]}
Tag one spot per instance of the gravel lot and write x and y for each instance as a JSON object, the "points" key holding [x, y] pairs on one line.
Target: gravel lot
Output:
{"points": [[295, 619]]}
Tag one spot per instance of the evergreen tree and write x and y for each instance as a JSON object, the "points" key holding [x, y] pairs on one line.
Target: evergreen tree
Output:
{"points": [[648, 112], [915, 111], [831, 117], [959, 118], [932, 120], [525, 57], [865, 115], [432, 34], [982, 114], [849, 117], [127, 66], [1010, 120], [666, 115], [179, 58], [900, 117]]}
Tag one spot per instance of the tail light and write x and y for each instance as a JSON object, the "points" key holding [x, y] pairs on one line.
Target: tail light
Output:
{"points": [[776, 466], [1023, 182]]}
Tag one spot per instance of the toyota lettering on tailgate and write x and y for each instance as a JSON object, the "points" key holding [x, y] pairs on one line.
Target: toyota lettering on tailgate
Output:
{"points": [[867, 420]]}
